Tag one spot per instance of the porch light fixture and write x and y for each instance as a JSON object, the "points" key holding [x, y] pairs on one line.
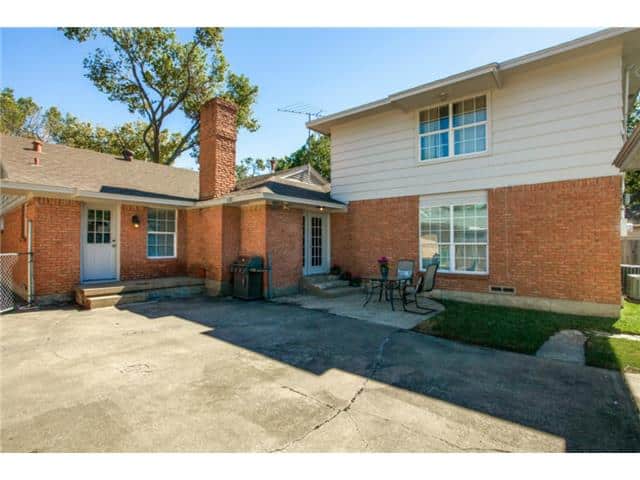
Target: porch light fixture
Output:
{"points": [[135, 221], [322, 209]]}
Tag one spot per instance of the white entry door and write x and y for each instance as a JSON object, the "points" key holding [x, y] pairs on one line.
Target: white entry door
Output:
{"points": [[316, 243], [99, 253]]}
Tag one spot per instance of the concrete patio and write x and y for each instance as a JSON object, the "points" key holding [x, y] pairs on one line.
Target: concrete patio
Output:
{"points": [[375, 312], [225, 375]]}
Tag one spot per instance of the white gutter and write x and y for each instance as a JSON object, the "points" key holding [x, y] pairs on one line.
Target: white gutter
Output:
{"points": [[16, 202], [76, 193], [190, 204], [585, 41], [302, 201], [443, 82], [267, 196]]}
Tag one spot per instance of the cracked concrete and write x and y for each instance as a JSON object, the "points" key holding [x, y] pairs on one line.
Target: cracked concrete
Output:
{"points": [[224, 375], [372, 371]]}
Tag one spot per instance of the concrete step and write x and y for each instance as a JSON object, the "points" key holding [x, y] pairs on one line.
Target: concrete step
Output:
{"points": [[326, 286], [338, 292], [321, 278], [101, 301], [129, 286], [331, 284]]}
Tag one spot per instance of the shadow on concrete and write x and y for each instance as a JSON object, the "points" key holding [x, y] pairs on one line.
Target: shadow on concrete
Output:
{"points": [[591, 409]]}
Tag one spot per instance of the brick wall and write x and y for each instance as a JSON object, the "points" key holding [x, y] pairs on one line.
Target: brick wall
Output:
{"points": [[371, 229], [253, 229], [341, 245], [284, 243], [212, 241], [56, 246], [556, 240], [134, 263], [217, 148]]}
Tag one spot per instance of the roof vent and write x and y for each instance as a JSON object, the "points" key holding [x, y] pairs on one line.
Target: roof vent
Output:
{"points": [[128, 155], [37, 146]]}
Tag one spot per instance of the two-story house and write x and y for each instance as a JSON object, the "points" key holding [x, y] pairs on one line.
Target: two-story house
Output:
{"points": [[504, 172]]}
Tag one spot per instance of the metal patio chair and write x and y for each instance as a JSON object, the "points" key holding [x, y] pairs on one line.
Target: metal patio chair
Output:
{"points": [[404, 270], [426, 283]]}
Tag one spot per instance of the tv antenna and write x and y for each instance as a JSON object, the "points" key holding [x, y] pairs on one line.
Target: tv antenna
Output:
{"points": [[302, 109]]}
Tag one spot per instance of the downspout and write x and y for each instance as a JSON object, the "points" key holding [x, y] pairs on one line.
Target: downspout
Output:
{"points": [[625, 120], [30, 292]]}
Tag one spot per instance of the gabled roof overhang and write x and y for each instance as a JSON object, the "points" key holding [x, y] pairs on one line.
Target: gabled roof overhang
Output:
{"points": [[30, 189], [628, 159], [486, 77], [27, 190], [268, 197]]}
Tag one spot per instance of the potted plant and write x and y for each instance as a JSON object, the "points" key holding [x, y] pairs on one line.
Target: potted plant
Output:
{"points": [[345, 276], [383, 262]]}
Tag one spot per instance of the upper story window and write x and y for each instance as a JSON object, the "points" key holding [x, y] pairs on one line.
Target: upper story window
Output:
{"points": [[454, 129]]}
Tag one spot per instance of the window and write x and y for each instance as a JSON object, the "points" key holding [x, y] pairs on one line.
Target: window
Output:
{"points": [[98, 226], [456, 234], [161, 233], [462, 124]]}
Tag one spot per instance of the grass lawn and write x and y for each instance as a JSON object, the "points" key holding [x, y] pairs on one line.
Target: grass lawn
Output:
{"points": [[613, 353], [629, 321], [525, 331]]}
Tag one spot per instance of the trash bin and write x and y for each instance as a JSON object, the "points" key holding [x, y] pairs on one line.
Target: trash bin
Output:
{"points": [[247, 277]]}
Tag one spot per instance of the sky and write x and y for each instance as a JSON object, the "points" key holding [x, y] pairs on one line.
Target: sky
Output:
{"points": [[329, 69]]}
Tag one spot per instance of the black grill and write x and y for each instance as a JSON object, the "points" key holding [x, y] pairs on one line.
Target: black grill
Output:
{"points": [[247, 277]]}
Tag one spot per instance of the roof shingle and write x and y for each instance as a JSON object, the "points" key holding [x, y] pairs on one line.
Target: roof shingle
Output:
{"points": [[62, 166]]}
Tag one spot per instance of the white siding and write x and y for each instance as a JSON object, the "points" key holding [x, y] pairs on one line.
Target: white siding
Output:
{"points": [[560, 121]]}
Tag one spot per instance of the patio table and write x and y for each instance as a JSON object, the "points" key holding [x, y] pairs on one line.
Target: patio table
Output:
{"points": [[387, 286]]}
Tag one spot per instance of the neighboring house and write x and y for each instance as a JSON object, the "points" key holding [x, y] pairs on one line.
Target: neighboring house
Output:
{"points": [[504, 172], [99, 217], [628, 159]]}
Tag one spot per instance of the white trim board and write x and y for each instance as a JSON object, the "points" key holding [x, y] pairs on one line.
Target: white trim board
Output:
{"points": [[460, 198]]}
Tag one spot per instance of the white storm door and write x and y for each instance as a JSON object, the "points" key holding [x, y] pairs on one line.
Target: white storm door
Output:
{"points": [[99, 243], [316, 253]]}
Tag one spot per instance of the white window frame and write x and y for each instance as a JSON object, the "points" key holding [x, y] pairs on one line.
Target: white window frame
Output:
{"points": [[452, 155], [174, 233], [460, 202]]}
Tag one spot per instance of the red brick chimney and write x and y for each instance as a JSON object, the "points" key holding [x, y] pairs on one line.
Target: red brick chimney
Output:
{"points": [[217, 148]]}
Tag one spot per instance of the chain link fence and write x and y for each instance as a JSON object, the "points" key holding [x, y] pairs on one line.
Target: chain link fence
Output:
{"points": [[8, 263]]}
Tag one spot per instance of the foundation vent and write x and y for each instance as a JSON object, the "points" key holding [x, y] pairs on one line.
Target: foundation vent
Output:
{"points": [[502, 289]]}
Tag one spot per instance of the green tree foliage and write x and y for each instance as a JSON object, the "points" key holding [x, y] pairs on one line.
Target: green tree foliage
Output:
{"points": [[632, 179], [69, 130], [156, 75], [24, 117], [316, 151], [20, 116], [250, 167]]}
